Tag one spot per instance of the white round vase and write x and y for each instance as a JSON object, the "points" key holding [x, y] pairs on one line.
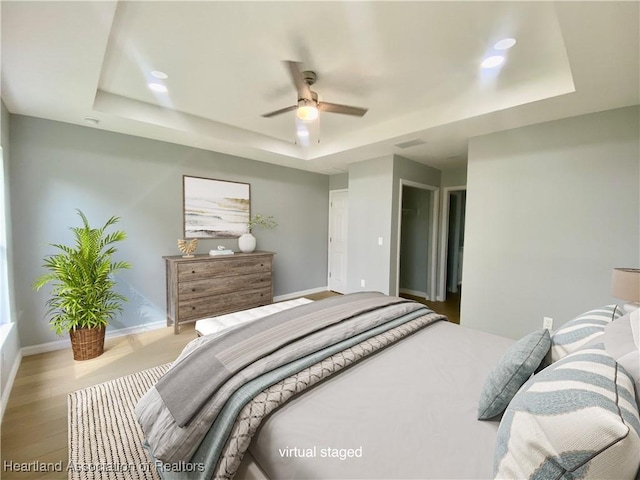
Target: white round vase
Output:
{"points": [[247, 243]]}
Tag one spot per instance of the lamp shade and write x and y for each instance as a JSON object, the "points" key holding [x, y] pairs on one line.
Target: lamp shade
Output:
{"points": [[625, 284]]}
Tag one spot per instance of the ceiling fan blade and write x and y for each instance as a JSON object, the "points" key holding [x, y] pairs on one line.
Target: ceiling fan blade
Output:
{"points": [[344, 109], [278, 112], [295, 70]]}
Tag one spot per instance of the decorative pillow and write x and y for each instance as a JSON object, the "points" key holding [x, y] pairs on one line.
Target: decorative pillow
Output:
{"points": [[579, 331], [576, 419], [515, 368]]}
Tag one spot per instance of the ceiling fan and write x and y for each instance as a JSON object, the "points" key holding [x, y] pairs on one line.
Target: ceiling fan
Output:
{"points": [[308, 105]]}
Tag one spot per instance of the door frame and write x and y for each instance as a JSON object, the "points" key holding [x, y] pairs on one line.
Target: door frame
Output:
{"points": [[444, 240], [331, 193], [435, 209]]}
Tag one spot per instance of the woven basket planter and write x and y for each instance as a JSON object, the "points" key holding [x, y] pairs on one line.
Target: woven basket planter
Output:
{"points": [[87, 343]]}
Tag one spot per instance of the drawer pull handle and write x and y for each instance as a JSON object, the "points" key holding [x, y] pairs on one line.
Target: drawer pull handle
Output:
{"points": [[193, 289], [193, 271], [193, 308], [262, 264], [262, 294]]}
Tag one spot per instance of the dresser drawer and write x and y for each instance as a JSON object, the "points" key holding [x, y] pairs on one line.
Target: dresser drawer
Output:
{"points": [[220, 285], [223, 267], [213, 305]]}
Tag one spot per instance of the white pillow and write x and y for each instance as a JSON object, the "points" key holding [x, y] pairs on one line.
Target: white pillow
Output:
{"points": [[622, 342]]}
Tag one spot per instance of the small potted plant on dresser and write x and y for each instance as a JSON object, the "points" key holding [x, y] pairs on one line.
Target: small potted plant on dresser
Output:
{"points": [[247, 242], [82, 298]]}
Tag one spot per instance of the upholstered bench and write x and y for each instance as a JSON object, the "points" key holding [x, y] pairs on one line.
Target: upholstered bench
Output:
{"points": [[211, 325]]}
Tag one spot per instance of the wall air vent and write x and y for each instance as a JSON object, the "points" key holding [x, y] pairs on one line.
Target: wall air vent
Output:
{"points": [[410, 143]]}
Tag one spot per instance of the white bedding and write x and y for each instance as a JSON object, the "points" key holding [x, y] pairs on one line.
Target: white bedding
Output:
{"points": [[209, 326], [408, 412]]}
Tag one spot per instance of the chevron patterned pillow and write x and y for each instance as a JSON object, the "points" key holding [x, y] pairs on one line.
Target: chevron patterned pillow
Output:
{"points": [[579, 331], [577, 418]]}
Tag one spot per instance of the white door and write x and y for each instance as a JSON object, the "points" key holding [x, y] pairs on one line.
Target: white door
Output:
{"points": [[338, 208]]}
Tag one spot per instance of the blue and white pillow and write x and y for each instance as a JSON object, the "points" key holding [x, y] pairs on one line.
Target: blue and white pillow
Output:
{"points": [[581, 330], [576, 419]]}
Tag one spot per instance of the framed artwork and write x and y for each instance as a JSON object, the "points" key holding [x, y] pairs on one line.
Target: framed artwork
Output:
{"points": [[215, 208]]}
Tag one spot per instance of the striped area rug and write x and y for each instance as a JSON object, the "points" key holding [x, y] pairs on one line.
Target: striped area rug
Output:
{"points": [[105, 440]]}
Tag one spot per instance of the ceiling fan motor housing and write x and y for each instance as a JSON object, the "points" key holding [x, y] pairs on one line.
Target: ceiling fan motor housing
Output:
{"points": [[313, 101], [309, 77]]}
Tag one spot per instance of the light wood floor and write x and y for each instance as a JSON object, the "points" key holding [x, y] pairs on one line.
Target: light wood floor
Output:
{"points": [[34, 427], [35, 421]]}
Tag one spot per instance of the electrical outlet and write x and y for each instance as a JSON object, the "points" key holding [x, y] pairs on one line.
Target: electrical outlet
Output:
{"points": [[362, 283], [379, 240], [547, 322]]}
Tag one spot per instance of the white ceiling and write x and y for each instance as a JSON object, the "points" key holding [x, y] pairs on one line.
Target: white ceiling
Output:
{"points": [[414, 65]]}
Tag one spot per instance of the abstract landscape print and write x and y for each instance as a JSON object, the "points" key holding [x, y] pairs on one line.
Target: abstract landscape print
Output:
{"points": [[215, 208]]}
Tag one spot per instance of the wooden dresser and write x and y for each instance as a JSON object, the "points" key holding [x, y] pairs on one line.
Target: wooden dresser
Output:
{"points": [[206, 286]]}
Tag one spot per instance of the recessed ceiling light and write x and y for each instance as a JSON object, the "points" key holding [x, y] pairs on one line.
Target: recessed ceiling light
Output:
{"points": [[157, 87], [505, 44], [92, 120], [159, 74], [492, 62]]}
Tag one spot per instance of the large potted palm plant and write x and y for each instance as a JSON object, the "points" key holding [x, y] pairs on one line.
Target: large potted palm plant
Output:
{"points": [[82, 298]]}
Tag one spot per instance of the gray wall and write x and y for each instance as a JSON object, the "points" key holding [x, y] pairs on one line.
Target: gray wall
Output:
{"points": [[339, 182], [370, 188], [454, 177], [374, 196], [414, 240], [551, 210], [58, 167]]}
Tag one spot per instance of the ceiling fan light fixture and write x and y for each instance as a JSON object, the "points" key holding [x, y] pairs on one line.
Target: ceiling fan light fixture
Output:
{"points": [[307, 113]]}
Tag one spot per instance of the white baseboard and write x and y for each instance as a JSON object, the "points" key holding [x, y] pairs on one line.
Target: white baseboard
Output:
{"points": [[9, 385], [415, 293], [66, 343], [302, 293]]}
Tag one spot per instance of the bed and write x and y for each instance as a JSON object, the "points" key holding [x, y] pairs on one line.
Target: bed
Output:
{"points": [[370, 386]]}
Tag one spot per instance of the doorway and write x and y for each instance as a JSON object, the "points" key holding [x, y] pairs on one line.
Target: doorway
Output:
{"points": [[417, 240], [452, 244], [338, 224]]}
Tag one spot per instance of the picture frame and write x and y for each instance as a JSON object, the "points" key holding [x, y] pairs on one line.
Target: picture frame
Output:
{"points": [[215, 208]]}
